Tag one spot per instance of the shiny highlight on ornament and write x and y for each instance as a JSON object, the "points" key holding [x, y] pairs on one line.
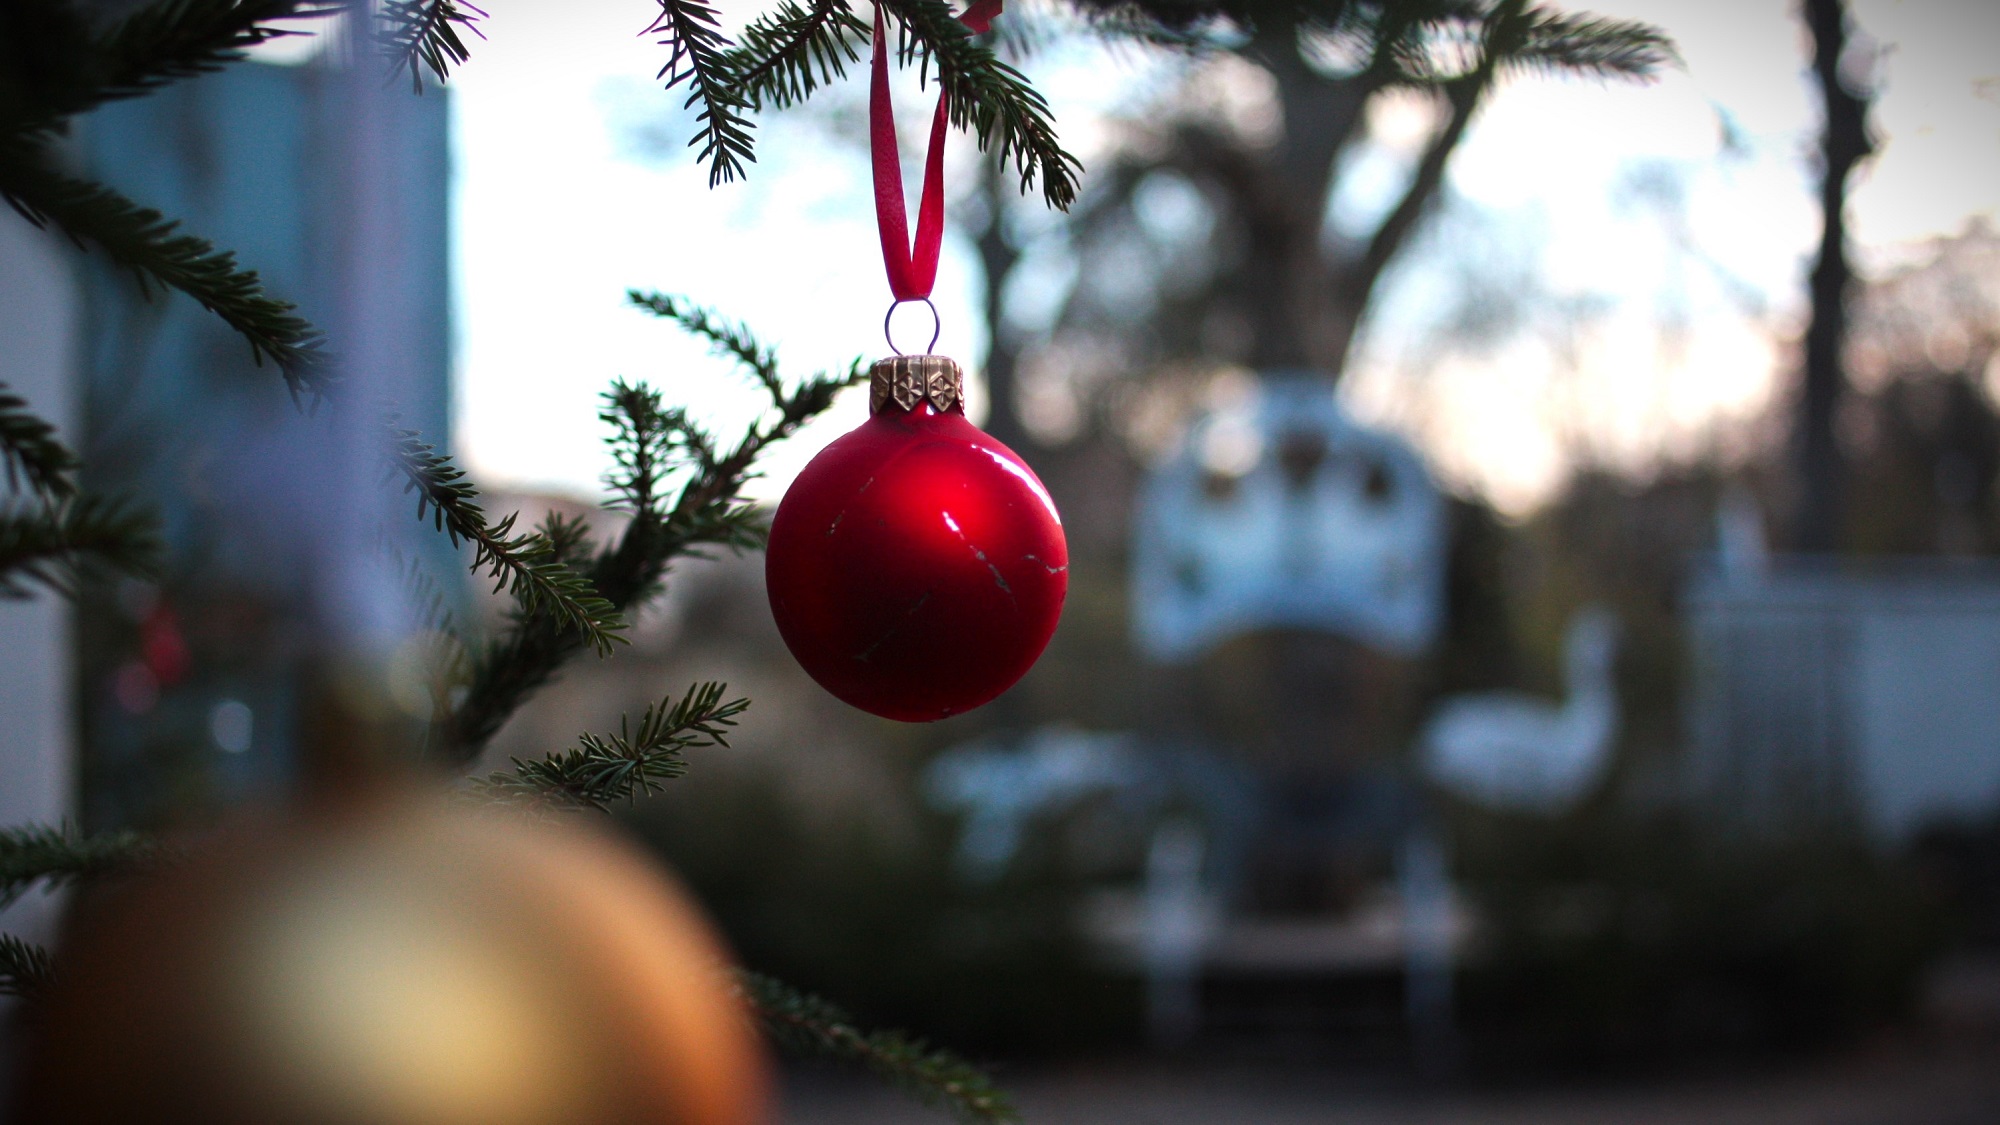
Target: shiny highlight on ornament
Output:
{"points": [[917, 567]]}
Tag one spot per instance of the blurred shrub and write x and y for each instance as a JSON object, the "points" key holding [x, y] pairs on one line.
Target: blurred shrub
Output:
{"points": [[1621, 941], [870, 914]]}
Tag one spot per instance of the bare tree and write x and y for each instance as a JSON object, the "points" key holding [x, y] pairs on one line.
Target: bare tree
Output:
{"points": [[1844, 143], [1296, 297]]}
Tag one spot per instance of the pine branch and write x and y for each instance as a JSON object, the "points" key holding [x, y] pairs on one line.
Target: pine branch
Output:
{"points": [[419, 34], [424, 591], [37, 852], [810, 1025], [60, 547], [788, 53], [528, 566], [728, 339], [1564, 43], [700, 59], [32, 454], [143, 241], [600, 771], [156, 44], [1513, 35], [26, 970], [709, 509], [642, 447], [706, 481], [993, 99]]}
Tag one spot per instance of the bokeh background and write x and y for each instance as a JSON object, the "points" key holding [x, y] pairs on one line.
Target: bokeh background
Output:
{"points": [[1464, 725]]}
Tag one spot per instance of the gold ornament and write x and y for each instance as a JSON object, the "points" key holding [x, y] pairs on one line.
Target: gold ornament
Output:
{"points": [[389, 961]]}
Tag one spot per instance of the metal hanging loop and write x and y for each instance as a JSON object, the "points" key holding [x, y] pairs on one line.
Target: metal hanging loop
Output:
{"points": [[937, 324]]}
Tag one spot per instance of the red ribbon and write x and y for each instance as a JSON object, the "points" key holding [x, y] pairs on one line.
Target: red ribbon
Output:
{"points": [[912, 269]]}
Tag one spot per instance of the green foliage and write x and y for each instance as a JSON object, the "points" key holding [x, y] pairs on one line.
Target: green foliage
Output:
{"points": [[989, 97], [145, 242], [602, 770], [699, 59], [680, 485], [529, 566], [1405, 42], [810, 1025], [683, 488], [1622, 940], [794, 50], [25, 970], [59, 546], [788, 53], [32, 454], [35, 853], [1564, 43], [424, 34], [432, 599], [77, 69], [59, 66]]}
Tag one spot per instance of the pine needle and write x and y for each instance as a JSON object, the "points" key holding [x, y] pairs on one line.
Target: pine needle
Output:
{"points": [[699, 59], [146, 243], [809, 1025], [788, 53], [61, 855], [528, 566], [684, 490], [61, 546], [1010, 117], [26, 970], [32, 454], [424, 34], [603, 770]]}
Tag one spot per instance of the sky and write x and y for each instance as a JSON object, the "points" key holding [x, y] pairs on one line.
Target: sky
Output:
{"points": [[1631, 201]]}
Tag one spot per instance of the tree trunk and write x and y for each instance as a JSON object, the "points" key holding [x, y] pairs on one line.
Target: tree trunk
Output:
{"points": [[1844, 144], [997, 258]]}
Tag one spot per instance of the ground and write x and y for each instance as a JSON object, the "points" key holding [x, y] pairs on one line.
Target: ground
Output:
{"points": [[1900, 1086]]}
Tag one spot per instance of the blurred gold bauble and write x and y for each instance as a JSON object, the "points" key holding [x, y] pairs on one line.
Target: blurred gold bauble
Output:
{"points": [[389, 961]]}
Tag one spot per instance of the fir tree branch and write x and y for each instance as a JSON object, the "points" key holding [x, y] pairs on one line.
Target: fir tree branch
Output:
{"points": [[433, 602], [700, 59], [707, 510], [1009, 116], [810, 1025], [1565, 43], [529, 566], [144, 242], [788, 53], [419, 34], [155, 44], [32, 454], [26, 970], [642, 446], [602, 770], [728, 339], [170, 40], [38, 852], [59, 547], [1513, 34]]}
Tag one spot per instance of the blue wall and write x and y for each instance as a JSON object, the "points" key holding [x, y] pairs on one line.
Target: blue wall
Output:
{"points": [[335, 189]]}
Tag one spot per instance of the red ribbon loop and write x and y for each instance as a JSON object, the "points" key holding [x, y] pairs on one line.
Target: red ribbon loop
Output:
{"points": [[912, 269]]}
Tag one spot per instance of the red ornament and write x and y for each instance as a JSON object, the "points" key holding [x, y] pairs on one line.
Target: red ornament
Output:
{"points": [[917, 566]]}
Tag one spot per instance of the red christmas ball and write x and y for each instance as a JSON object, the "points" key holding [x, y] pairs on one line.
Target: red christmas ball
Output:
{"points": [[917, 566]]}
